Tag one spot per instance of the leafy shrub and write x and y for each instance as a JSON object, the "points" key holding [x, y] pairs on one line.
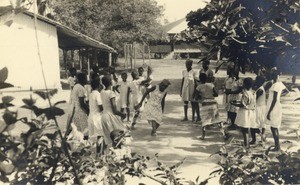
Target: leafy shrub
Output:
{"points": [[238, 166]]}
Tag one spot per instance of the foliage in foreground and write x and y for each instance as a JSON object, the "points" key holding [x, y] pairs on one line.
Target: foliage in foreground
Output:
{"points": [[238, 166], [39, 155], [260, 33]]}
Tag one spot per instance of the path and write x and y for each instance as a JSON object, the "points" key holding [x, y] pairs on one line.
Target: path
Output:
{"points": [[177, 140]]}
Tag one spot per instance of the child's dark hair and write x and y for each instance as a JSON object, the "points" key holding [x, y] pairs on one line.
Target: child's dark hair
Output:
{"points": [[81, 77], [106, 80], [124, 73], [134, 73], [202, 77], [248, 83], [72, 70], [275, 74], [95, 84], [260, 80], [94, 76], [206, 62]]}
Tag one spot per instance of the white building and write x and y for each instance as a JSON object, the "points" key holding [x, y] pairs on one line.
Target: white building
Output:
{"points": [[19, 51]]}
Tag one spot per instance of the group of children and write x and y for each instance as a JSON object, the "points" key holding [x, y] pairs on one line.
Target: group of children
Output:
{"points": [[245, 101], [100, 107], [110, 101]]}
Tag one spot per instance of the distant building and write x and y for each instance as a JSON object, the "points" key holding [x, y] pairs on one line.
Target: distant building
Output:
{"points": [[173, 49], [18, 50]]}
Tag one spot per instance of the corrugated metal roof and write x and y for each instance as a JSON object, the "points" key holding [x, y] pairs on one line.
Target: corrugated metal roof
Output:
{"points": [[71, 39]]}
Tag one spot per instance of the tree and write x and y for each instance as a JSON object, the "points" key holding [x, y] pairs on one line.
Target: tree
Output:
{"points": [[112, 22], [256, 32]]}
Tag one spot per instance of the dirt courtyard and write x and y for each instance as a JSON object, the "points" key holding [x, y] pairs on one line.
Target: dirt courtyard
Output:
{"points": [[177, 140]]}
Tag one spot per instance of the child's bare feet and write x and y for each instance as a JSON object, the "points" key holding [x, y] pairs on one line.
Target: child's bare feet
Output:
{"points": [[185, 119], [153, 133]]}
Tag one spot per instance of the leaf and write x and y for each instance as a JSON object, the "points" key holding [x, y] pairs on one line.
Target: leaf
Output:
{"points": [[46, 94], [2, 105], [218, 67], [7, 99], [4, 85], [297, 99], [9, 118], [29, 102], [59, 102], [52, 112], [159, 174], [2, 125], [3, 74]]}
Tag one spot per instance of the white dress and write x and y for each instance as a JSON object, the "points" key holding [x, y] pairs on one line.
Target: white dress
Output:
{"points": [[276, 113], [80, 117], [94, 119], [135, 87], [188, 86], [123, 89], [153, 109], [109, 120], [261, 109], [246, 115]]}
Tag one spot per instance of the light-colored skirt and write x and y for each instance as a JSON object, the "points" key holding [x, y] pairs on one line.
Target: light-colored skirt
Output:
{"points": [[246, 118], [153, 112], [275, 116], [209, 112], [260, 117], [94, 126], [110, 122]]}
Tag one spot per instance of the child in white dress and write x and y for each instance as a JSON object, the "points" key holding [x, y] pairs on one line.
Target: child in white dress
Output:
{"points": [[260, 126], [274, 112], [110, 120], [188, 87], [96, 108], [124, 91], [136, 91], [245, 118], [155, 106]]}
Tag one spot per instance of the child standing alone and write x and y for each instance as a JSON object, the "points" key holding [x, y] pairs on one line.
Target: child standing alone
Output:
{"points": [[155, 106], [188, 87]]}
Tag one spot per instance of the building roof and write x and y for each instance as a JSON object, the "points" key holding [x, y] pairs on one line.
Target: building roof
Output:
{"points": [[176, 26], [71, 39]]}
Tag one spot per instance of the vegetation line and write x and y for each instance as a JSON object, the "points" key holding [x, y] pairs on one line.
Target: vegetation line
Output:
{"points": [[46, 88]]}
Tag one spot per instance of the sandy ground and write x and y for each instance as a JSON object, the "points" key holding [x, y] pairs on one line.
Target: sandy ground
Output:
{"points": [[177, 140]]}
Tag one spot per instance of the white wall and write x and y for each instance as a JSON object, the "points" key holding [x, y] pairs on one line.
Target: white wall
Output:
{"points": [[18, 52]]}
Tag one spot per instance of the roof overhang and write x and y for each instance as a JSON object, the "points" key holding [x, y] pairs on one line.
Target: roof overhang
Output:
{"points": [[70, 39]]}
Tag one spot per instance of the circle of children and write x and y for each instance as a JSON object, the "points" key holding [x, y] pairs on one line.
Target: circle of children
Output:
{"points": [[101, 109]]}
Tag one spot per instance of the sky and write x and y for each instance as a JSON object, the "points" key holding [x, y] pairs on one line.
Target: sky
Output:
{"points": [[177, 9]]}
